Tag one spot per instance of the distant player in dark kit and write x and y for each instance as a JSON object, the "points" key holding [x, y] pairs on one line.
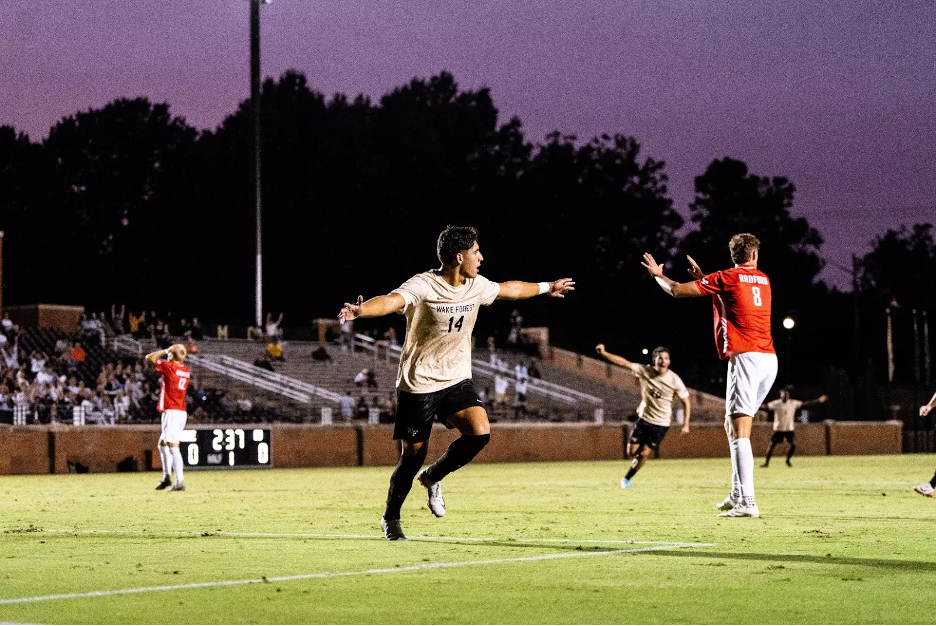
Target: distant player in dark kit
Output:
{"points": [[927, 489], [172, 385], [741, 299], [784, 410], [434, 379], [659, 385]]}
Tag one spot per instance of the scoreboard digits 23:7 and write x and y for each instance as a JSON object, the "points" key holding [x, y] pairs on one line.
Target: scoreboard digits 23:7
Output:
{"points": [[226, 448]]}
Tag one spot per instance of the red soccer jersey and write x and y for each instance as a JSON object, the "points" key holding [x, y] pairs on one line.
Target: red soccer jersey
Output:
{"points": [[741, 298], [172, 385]]}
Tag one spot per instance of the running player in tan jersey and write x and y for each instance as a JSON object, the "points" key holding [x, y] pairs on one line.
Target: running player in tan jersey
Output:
{"points": [[434, 380], [784, 411], [658, 386]]}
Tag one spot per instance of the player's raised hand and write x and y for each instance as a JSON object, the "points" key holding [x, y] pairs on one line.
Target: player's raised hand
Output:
{"points": [[559, 288], [655, 269], [351, 311], [600, 349], [924, 410], [694, 269]]}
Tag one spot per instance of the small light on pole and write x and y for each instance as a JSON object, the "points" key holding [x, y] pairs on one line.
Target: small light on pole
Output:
{"points": [[789, 323], [645, 351]]}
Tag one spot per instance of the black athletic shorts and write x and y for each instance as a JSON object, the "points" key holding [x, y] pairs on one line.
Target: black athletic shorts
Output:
{"points": [[648, 434], [416, 411], [779, 436]]}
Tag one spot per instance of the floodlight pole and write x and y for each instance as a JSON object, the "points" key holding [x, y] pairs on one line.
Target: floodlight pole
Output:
{"points": [[255, 107]]}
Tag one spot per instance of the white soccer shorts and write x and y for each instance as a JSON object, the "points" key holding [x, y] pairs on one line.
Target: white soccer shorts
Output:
{"points": [[173, 423], [750, 377]]}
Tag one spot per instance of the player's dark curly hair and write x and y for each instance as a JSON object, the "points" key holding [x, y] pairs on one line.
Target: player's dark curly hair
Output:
{"points": [[658, 350], [742, 247], [455, 239]]}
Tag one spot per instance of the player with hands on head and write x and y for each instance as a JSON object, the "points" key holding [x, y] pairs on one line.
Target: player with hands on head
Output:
{"points": [[741, 300], [927, 489], [173, 382], [659, 385], [434, 378]]}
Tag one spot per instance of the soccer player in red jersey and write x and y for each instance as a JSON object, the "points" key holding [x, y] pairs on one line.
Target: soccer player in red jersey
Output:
{"points": [[172, 385], [741, 298]]}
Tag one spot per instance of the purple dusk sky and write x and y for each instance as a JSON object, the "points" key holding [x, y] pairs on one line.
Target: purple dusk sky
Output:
{"points": [[838, 96]]}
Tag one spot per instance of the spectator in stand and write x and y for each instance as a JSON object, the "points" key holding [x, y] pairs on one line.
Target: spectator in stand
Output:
{"points": [[122, 404], [500, 390], [62, 345], [361, 409], [360, 379], [6, 324], [347, 340], [185, 329], [163, 337], [371, 380], [97, 326], [10, 355], [137, 324], [391, 338], [275, 350], [198, 333], [387, 409], [534, 371], [117, 319], [6, 399], [346, 402], [77, 357], [273, 328], [46, 376], [520, 387], [521, 371], [516, 323]]}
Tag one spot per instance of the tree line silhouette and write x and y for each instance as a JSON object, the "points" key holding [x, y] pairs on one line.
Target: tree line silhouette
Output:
{"points": [[128, 203]]}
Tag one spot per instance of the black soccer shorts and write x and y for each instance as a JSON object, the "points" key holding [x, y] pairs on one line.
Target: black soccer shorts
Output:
{"points": [[780, 436], [648, 434], [416, 411]]}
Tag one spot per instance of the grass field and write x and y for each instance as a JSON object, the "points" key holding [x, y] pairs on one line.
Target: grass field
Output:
{"points": [[840, 540]]}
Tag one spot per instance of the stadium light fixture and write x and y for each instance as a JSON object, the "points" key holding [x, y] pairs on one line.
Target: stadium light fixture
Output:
{"points": [[789, 322], [645, 351]]}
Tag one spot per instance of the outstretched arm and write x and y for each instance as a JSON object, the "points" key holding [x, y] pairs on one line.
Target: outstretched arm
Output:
{"points": [[925, 409], [614, 358], [375, 307], [818, 400], [519, 290], [670, 286]]}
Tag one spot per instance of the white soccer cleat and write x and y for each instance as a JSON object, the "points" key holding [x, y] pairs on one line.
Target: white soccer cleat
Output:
{"points": [[433, 494], [925, 489], [727, 504], [742, 511]]}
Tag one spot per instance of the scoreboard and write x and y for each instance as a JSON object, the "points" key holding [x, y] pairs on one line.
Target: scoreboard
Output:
{"points": [[226, 448]]}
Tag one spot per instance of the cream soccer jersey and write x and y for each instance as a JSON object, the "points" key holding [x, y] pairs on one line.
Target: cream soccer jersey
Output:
{"points": [[657, 393], [783, 413], [439, 320]]}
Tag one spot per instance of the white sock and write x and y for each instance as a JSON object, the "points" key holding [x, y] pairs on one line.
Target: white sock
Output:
{"points": [[177, 464], [746, 471], [735, 480], [166, 461]]}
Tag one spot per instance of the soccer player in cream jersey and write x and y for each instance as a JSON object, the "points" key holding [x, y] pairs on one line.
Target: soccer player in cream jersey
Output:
{"points": [[784, 410], [434, 379], [658, 386]]}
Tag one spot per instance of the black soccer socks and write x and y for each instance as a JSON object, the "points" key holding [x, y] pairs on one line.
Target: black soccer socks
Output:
{"points": [[458, 455], [401, 481]]}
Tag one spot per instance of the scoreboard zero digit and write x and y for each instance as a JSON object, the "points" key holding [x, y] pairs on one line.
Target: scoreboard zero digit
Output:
{"points": [[226, 448]]}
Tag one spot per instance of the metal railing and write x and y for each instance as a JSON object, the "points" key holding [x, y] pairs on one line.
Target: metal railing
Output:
{"points": [[535, 385], [249, 376]]}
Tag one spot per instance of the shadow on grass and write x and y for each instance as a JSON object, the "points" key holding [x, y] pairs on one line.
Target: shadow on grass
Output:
{"points": [[897, 564]]}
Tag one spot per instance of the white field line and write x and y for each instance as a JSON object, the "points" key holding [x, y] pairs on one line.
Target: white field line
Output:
{"points": [[221, 533], [369, 572]]}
